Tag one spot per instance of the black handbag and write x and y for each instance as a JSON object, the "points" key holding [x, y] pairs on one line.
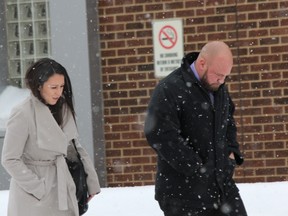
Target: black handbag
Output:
{"points": [[78, 174]]}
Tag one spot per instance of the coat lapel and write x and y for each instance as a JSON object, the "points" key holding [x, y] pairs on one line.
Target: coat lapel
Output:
{"points": [[69, 126], [49, 134]]}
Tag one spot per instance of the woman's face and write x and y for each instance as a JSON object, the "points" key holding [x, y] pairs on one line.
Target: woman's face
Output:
{"points": [[52, 89]]}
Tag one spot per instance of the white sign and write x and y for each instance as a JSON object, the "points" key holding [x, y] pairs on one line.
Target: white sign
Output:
{"points": [[168, 45]]}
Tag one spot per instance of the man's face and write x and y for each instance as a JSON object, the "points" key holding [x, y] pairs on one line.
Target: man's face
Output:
{"points": [[215, 75]]}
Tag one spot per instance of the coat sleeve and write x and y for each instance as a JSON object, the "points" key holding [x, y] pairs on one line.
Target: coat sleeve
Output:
{"points": [[163, 132], [14, 143], [92, 177], [231, 136]]}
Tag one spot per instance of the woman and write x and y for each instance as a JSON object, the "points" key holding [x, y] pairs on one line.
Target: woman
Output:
{"points": [[37, 137]]}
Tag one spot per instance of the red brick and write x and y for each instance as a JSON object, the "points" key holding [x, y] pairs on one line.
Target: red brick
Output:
{"points": [[258, 81]]}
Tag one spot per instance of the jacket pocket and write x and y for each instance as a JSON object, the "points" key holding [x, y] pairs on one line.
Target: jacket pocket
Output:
{"points": [[206, 172], [230, 169], [41, 196]]}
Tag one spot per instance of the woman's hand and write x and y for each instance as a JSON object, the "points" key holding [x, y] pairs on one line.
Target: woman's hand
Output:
{"points": [[90, 197]]}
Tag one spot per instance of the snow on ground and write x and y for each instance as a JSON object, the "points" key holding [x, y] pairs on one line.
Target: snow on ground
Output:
{"points": [[261, 199]]}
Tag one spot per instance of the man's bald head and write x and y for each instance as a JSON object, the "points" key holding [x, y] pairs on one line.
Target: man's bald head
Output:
{"points": [[214, 64], [216, 49]]}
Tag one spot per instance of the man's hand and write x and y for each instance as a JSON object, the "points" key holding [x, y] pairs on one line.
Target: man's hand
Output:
{"points": [[231, 156]]}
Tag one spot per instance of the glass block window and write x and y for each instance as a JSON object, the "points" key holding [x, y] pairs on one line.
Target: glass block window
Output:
{"points": [[28, 35]]}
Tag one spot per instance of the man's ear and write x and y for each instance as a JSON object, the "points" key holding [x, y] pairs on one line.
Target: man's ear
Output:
{"points": [[202, 64]]}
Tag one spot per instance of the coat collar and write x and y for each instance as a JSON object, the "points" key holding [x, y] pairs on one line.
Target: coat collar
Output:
{"points": [[50, 136], [188, 75]]}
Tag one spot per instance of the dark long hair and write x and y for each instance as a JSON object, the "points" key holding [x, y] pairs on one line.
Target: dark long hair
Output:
{"points": [[38, 73]]}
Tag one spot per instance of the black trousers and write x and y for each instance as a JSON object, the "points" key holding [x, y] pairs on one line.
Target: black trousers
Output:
{"points": [[233, 206]]}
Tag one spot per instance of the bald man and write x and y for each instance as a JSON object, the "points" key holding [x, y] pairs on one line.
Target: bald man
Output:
{"points": [[190, 126]]}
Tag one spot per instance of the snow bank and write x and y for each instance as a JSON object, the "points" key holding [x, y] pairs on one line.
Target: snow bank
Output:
{"points": [[10, 97]]}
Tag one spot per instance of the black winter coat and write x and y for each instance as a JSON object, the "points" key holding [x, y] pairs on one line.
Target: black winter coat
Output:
{"points": [[192, 138]]}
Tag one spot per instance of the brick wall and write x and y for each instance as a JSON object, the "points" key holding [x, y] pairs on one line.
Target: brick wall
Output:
{"points": [[256, 31]]}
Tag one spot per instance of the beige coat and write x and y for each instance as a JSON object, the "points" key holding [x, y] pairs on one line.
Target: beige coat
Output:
{"points": [[33, 154]]}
